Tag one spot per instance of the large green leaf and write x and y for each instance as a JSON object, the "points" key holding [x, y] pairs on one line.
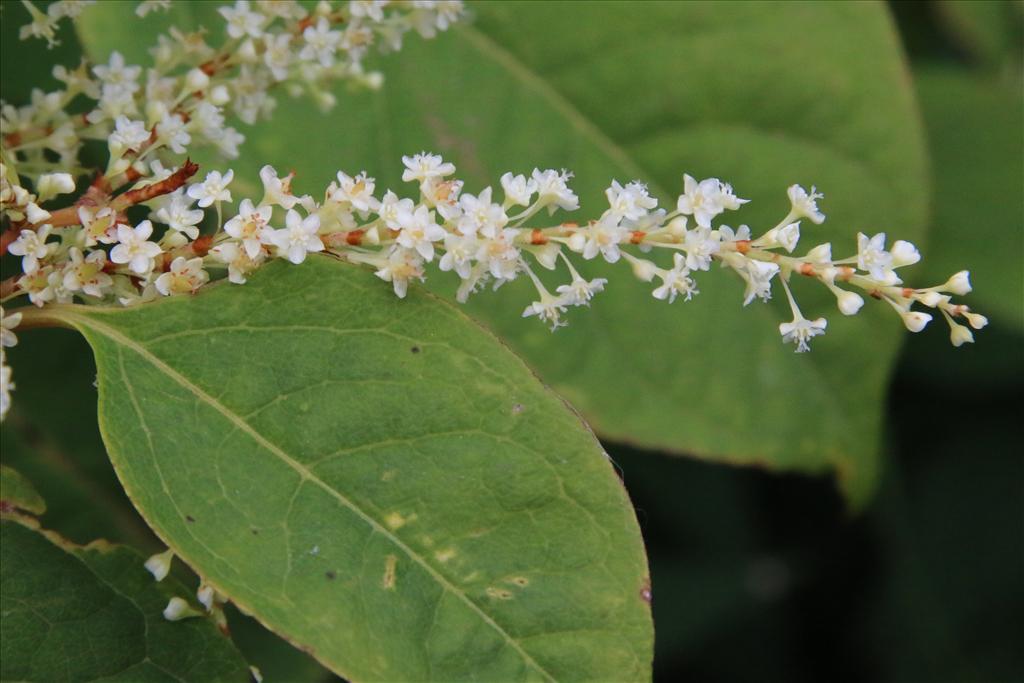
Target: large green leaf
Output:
{"points": [[763, 95], [378, 480], [94, 613], [16, 492]]}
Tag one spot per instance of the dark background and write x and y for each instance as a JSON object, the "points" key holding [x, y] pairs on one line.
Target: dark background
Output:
{"points": [[756, 576]]}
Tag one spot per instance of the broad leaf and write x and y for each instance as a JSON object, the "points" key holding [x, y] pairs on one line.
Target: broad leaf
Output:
{"points": [[94, 613], [17, 492], [378, 480], [763, 95]]}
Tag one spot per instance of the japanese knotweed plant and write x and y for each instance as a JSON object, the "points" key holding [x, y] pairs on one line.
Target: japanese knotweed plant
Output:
{"points": [[377, 480]]}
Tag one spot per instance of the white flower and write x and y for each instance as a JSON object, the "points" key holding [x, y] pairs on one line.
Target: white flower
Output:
{"points": [[873, 258], [705, 200], [179, 215], [518, 190], [419, 232], [297, 238], [212, 189], [676, 281], [117, 73], [159, 565], [6, 386], [804, 204], [38, 285], [391, 207], [238, 261], [127, 135], [758, 276], [579, 292], [959, 283], [700, 244], [7, 325], [134, 248], [425, 166], [321, 43], [249, 225], [727, 199], [147, 6], [499, 254], [915, 321], [171, 132], [277, 191], [480, 214], [960, 335], [86, 274], [402, 265], [801, 330], [602, 237], [184, 277], [242, 21], [727, 234], [43, 25], [100, 226], [177, 609], [278, 55], [371, 9], [357, 191], [553, 190], [458, 254], [35, 214], [848, 302], [548, 309], [820, 255], [785, 236], [31, 246], [630, 202]]}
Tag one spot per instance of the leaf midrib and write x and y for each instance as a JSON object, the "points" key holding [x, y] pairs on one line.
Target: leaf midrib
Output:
{"points": [[304, 473]]}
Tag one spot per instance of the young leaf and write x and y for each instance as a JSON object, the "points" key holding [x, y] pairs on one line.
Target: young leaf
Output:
{"points": [[16, 492], [94, 613], [762, 95], [377, 480]]}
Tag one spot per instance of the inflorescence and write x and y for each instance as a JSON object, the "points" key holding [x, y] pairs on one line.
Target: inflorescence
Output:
{"points": [[90, 252]]}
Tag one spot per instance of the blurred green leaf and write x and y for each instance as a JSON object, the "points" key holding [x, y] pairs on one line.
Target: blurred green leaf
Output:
{"points": [[763, 95], [94, 613], [991, 31], [17, 492], [377, 480]]}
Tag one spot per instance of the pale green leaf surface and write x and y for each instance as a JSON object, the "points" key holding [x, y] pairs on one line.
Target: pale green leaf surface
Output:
{"points": [[94, 613], [378, 480], [17, 492], [762, 95]]}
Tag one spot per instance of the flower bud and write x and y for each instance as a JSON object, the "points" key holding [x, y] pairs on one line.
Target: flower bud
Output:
{"points": [[677, 226], [976, 320], [219, 95], [159, 565], [959, 283], [36, 214], [53, 184], [849, 302], [196, 79], [577, 241], [931, 299], [915, 321], [205, 595], [904, 254], [643, 269], [246, 52], [960, 335], [177, 609]]}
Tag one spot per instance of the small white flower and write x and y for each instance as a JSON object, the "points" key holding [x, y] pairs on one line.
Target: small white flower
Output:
{"points": [[184, 277], [499, 254], [100, 226], [676, 281], [727, 234], [171, 132], [480, 214], [820, 255], [357, 191], [249, 226], [371, 9], [458, 254], [238, 261], [213, 189], [159, 565], [85, 274], [134, 248], [127, 135], [321, 43], [147, 6], [7, 325], [848, 302], [6, 386], [786, 236], [960, 335], [116, 72], [277, 191], [975, 320], [579, 292], [959, 283], [904, 254], [420, 231], [241, 21], [402, 266], [425, 166], [758, 276], [52, 184], [804, 204], [35, 214], [31, 246], [801, 330], [278, 55], [391, 207], [630, 202], [179, 215], [700, 244], [553, 190], [297, 238], [915, 321], [873, 258], [704, 200], [549, 309], [518, 190], [38, 285], [603, 237]]}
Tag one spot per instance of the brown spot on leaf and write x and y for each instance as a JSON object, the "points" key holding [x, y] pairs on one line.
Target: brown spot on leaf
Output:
{"points": [[330, 575], [189, 518], [415, 349]]}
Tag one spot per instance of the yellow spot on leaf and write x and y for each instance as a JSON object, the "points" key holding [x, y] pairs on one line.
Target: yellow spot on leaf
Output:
{"points": [[445, 555], [388, 581], [395, 520], [499, 593]]}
